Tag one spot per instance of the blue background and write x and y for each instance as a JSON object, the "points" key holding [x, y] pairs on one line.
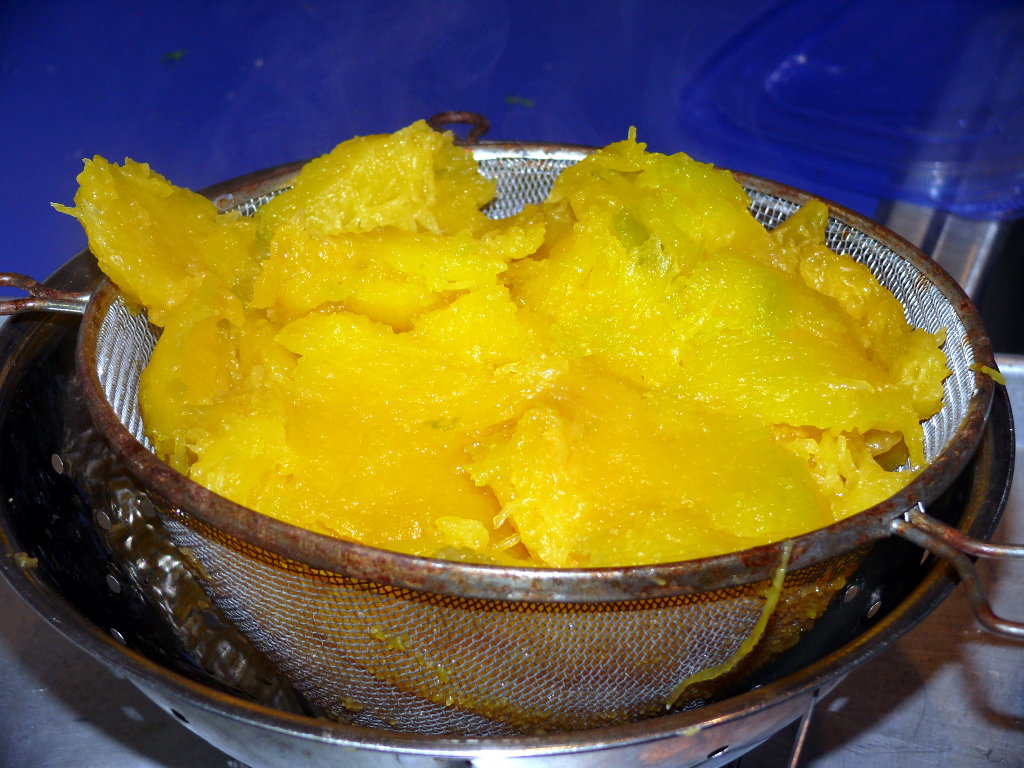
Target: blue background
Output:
{"points": [[854, 101]]}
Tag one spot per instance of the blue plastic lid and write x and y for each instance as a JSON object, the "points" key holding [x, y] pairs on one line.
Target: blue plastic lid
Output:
{"points": [[920, 100]]}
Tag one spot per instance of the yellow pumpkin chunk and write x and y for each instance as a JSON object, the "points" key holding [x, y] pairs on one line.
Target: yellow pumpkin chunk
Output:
{"points": [[160, 243]]}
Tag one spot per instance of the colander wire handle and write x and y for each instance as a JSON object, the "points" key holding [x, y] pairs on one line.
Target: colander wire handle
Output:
{"points": [[479, 125], [41, 298], [958, 550]]}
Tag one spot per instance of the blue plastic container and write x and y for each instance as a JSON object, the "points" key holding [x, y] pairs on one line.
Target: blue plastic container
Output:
{"points": [[917, 100]]}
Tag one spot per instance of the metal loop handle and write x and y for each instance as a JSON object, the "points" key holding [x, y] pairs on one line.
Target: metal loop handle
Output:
{"points": [[957, 549], [480, 125], [41, 298]]}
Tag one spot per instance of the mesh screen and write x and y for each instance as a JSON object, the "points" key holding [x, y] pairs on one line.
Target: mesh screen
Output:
{"points": [[388, 657], [123, 346], [391, 657], [924, 305]]}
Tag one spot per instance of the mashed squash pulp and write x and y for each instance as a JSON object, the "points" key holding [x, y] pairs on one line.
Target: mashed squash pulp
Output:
{"points": [[634, 371]]}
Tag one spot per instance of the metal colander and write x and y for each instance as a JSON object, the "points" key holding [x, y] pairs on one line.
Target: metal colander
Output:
{"points": [[406, 643]]}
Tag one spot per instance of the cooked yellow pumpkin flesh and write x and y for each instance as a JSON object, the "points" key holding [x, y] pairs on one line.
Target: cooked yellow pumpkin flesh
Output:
{"points": [[635, 371]]}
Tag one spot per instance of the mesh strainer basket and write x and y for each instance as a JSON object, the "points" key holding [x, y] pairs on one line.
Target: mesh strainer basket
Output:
{"points": [[390, 640]]}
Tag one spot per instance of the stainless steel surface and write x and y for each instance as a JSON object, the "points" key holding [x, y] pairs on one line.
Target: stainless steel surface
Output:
{"points": [[61, 707]]}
